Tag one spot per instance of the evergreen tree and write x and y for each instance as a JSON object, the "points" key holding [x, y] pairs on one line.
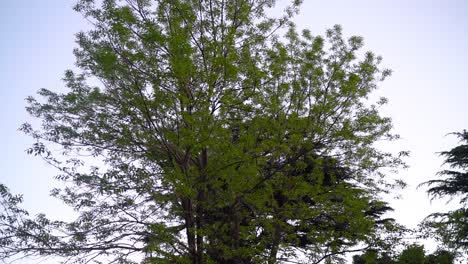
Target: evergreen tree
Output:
{"points": [[441, 256], [451, 227], [411, 254]]}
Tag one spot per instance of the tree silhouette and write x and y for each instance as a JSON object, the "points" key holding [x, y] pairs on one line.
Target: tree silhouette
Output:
{"points": [[451, 227]]}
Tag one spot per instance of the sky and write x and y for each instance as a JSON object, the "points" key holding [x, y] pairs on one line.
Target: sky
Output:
{"points": [[423, 42]]}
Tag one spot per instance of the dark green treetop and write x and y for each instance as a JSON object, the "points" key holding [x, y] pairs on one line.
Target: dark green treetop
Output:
{"points": [[411, 254], [451, 228]]}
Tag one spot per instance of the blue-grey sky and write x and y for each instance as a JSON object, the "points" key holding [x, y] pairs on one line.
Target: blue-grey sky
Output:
{"points": [[37, 38], [423, 42]]}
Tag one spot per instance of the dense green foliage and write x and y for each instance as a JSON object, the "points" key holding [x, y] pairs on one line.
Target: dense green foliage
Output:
{"points": [[451, 227], [412, 254], [215, 134], [372, 257]]}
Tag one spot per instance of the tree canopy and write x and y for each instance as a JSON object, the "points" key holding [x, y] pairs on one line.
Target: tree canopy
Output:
{"points": [[209, 132], [411, 254], [451, 227]]}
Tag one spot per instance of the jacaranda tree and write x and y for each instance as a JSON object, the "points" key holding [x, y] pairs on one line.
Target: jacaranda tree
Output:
{"points": [[208, 131]]}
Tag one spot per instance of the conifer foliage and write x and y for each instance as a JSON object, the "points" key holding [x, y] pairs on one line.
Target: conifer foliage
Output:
{"points": [[452, 227]]}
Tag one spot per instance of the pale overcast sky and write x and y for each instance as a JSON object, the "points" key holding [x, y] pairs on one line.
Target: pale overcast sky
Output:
{"points": [[425, 43]]}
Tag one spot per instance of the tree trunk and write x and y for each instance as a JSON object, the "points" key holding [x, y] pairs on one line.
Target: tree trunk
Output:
{"points": [[189, 226]]}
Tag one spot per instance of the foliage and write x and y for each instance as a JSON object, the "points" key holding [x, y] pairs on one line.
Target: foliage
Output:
{"points": [[372, 257], [451, 227], [217, 134], [441, 256], [411, 254]]}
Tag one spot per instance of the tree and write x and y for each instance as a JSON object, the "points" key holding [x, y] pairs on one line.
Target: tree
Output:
{"points": [[451, 227], [368, 257], [372, 256], [412, 254], [217, 134], [441, 256]]}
